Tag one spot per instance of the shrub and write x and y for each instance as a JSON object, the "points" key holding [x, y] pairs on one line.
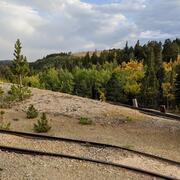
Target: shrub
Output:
{"points": [[18, 93], [102, 96], [32, 81], [1, 92], [1, 96], [85, 121], [2, 115], [42, 124], [31, 112], [128, 119], [5, 126]]}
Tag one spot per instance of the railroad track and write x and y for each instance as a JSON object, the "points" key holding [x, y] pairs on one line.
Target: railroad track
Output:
{"points": [[150, 111], [21, 142]]}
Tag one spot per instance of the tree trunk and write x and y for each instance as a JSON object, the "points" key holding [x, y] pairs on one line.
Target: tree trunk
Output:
{"points": [[20, 80], [20, 86]]}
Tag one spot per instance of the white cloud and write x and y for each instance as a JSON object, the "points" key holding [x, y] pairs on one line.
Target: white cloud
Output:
{"points": [[154, 35], [72, 25], [22, 19]]}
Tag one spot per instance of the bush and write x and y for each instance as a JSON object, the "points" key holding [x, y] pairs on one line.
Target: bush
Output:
{"points": [[1, 92], [42, 124], [31, 112], [18, 93], [102, 96], [128, 119], [32, 81], [2, 115], [5, 126], [85, 121], [1, 96]]}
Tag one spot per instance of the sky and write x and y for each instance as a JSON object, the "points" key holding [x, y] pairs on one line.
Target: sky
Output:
{"points": [[52, 26]]}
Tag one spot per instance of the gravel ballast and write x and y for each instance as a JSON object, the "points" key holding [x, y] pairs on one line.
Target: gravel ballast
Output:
{"points": [[100, 153], [25, 167]]}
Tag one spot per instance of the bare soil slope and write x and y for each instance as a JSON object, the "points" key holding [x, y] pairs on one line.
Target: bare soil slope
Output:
{"points": [[111, 124]]}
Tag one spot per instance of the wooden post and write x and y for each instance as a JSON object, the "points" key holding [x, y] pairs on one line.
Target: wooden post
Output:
{"points": [[135, 103]]}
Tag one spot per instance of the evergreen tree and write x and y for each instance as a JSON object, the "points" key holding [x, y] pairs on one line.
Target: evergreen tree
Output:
{"points": [[103, 57], [170, 50], [114, 88], [159, 69], [125, 53], [139, 51], [150, 83], [20, 66], [86, 60], [177, 87], [94, 58], [131, 53]]}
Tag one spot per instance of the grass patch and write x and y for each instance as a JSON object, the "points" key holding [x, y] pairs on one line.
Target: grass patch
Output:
{"points": [[5, 126], [128, 119], [128, 146], [85, 121]]}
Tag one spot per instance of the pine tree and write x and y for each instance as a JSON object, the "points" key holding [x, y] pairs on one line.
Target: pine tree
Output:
{"points": [[159, 69], [125, 54], [170, 50], [150, 84], [139, 51], [94, 58], [177, 87], [86, 60], [20, 66], [42, 124]]}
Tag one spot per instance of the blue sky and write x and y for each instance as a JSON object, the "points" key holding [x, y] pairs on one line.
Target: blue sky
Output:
{"points": [[52, 26]]}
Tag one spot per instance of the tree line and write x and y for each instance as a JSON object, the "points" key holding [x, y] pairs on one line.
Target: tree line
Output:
{"points": [[149, 72]]}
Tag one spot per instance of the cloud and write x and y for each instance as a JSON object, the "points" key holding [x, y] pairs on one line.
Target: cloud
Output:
{"points": [[154, 35], [72, 25]]}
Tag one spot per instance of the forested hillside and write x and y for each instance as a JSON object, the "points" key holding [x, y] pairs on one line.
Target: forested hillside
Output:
{"points": [[147, 72]]}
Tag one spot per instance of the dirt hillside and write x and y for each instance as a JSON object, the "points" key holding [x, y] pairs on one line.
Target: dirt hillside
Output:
{"points": [[111, 124]]}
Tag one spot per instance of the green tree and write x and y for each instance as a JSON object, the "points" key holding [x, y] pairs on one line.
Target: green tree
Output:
{"points": [[20, 66], [81, 82], [86, 60], [139, 51], [114, 88], [125, 81], [170, 50], [150, 83], [159, 69], [66, 81], [94, 58], [32, 81], [125, 53], [49, 79], [177, 87]]}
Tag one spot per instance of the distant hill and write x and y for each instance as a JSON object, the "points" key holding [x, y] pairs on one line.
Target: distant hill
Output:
{"points": [[82, 54], [5, 62]]}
